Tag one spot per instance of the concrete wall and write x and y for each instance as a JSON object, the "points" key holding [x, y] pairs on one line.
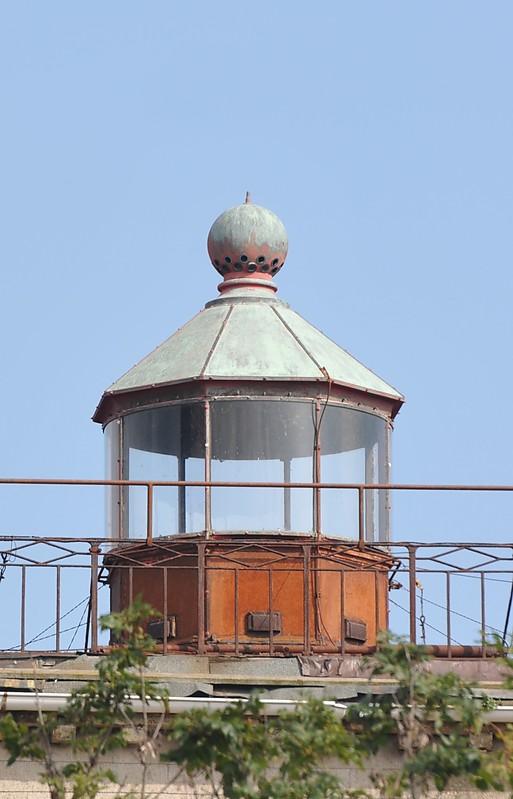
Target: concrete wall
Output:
{"points": [[21, 781]]}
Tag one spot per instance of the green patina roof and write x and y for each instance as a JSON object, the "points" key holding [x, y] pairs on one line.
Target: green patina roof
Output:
{"points": [[247, 333]]}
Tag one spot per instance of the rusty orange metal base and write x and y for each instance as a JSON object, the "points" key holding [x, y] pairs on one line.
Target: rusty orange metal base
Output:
{"points": [[256, 595]]}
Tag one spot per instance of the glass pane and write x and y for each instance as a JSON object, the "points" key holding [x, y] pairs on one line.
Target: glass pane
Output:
{"points": [[262, 441], [301, 499], [160, 445], [353, 450], [113, 471], [247, 509], [339, 507], [195, 505]]}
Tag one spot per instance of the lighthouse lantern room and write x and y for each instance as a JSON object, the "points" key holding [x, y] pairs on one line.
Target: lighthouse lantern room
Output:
{"points": [[246, 453]]}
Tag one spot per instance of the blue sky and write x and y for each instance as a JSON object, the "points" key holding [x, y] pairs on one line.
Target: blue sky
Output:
{"points": [[381, 134]]}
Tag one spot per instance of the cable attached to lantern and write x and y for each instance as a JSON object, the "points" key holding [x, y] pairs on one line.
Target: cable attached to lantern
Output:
{"points": [[318, 419], [6, 557]]}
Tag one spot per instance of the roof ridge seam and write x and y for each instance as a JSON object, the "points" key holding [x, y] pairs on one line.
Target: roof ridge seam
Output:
{"points": [[297, 339], [216, 341]]}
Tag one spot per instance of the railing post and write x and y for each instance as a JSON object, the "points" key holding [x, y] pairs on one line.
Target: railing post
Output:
{"points": [[307, 644], [201, 598], [342, 613], [377, 602], [271, 611], [208, 472], [149, 514], [130, 584], [448, 601], [483, 617], [165, 611], [413, 594], [58, 609], [236, 611], [361, 526], [317, 472], [94, 551], [23, 606]]}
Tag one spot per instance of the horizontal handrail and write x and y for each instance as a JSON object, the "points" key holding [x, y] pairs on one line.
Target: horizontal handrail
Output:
{"points": [[254, 484]]}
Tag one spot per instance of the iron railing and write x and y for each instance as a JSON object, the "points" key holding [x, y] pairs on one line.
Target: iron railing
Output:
{"points": [[451, 596]]}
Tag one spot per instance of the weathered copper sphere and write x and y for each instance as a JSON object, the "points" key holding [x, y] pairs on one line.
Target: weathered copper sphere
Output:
{"points": [[245, 240]]}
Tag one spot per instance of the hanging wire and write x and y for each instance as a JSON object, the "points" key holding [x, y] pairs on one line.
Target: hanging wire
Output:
{"points": [[431, 626], [478, 577], [39, 636], [506, 623], [422, 618], [493, 630], [461, 615], [42, 637], [317, 422], [87, 609], [6, 557]]}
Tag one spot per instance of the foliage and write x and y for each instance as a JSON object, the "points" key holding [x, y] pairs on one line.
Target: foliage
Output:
{"points": [[100, 712], [433, 717], [244, 754], [240, 751], [501, 767]]}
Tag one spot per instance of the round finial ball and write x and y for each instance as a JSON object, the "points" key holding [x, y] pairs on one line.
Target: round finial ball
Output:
{"points": [[245, 240]]}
